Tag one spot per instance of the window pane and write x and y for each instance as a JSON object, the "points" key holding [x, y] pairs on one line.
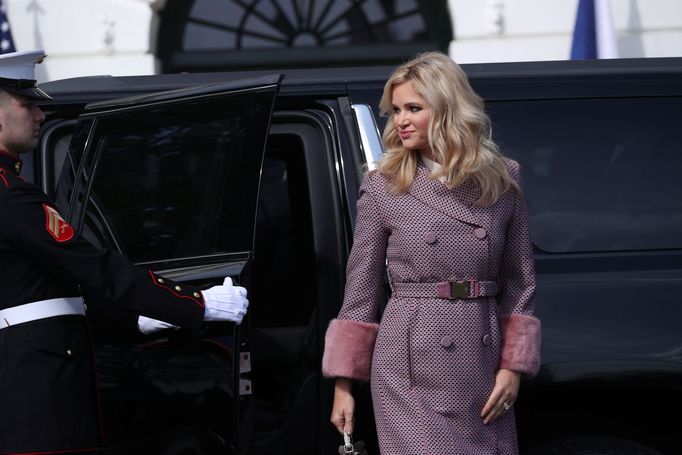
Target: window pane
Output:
{"points": [[599, 175], [170, 187], [287, 23]]}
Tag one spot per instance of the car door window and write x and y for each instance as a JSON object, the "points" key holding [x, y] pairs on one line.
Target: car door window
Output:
{"points": [[173, 190], [177, 180], [599, 174]]}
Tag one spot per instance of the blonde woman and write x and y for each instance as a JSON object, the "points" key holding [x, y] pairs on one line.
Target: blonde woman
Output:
{"points": [[446, 213]]}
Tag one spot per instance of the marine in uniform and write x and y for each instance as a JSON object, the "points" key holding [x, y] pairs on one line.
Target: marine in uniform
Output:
{"points": [[47, 387]]}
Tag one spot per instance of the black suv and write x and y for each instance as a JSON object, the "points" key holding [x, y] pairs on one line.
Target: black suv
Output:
{"points": [[255, 175]]}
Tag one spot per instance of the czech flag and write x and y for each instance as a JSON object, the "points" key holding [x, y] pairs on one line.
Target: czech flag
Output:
{"points": [[593, 35]]}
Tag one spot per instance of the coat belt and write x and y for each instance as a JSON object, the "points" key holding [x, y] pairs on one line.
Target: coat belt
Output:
{"points": [[450, 290], [40, 310]]}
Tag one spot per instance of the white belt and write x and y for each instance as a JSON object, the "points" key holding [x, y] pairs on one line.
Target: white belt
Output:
{"points": [[41, 310]]}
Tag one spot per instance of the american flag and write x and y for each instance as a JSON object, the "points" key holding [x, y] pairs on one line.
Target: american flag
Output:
{"points": [[6, 41]]}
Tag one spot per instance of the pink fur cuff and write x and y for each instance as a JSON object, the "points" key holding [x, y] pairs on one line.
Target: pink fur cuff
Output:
{"points": [[521, 343], [348, 348]]}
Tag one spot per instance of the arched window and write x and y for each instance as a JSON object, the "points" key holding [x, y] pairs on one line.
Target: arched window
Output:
{"points": [[197, 35]]}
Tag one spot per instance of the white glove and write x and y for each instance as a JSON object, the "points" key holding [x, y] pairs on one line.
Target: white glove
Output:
{"points": [[225, 302], [148, 325]]}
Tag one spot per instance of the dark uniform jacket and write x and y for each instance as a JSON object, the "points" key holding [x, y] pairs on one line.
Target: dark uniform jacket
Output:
{"points": [[47, 388]]}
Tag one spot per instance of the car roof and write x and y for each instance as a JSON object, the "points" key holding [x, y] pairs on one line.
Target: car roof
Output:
{"points": [[295, 80], [546, 78]]}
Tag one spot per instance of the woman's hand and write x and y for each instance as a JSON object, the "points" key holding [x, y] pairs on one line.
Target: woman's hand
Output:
{"points": [[503, 396], [344, 406]]}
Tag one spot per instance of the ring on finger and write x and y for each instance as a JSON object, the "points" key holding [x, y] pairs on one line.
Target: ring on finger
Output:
{"points": [[506, 406]]}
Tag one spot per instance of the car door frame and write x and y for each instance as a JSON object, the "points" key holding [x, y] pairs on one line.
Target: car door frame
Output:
{"points": [[192, 269]]}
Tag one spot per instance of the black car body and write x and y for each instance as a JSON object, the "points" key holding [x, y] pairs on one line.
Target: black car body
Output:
{"points": [[199, 176]]}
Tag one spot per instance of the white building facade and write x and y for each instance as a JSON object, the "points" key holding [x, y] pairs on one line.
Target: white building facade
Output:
{"points": [[120, 37]]}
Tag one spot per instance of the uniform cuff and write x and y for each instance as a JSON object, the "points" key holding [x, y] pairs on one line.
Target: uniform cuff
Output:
{"points": [[521, 344], [348, 348]]}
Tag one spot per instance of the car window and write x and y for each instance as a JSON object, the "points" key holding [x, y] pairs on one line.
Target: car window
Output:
{"points": [[169, 187], [54, 149], [598, 174]]}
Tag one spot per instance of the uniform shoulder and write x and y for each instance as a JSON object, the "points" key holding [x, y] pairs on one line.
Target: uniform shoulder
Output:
{"points": [[9, 180], [12, 185]]}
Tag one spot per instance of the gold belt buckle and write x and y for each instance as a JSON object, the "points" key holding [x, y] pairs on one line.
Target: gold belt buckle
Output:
{"points": [[462, 289]]}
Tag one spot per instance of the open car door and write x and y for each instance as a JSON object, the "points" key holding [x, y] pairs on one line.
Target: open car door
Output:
{"points": [[171, 180]]}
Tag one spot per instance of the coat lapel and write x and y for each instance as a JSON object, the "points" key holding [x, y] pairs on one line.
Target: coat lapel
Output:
{"points": [[455, 203]]}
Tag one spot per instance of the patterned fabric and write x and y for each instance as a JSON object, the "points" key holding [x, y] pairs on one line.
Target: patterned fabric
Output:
{"points": [[434, 360]]}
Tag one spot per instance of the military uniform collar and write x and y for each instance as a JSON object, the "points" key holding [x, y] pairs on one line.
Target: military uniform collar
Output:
{"points": [[10, 163]]}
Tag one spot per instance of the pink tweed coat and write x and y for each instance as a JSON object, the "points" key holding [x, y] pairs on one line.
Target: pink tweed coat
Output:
{"points": [[432, 360]]}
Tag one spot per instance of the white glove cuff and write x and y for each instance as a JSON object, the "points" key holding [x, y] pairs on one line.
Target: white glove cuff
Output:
{"points": [[148, 325]]}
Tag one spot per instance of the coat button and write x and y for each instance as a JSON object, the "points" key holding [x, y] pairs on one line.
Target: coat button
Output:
{"points": [[487, 340], [430, 237], [446, 341], [480, 233], [68, 352], [178, 288]]}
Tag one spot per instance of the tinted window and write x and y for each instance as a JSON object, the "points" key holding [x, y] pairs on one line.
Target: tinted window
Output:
{"points": [[599, 175], [169, 187], [54, 150]]}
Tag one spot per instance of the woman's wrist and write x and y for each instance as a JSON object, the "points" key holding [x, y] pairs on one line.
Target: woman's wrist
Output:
{"points": [[516, 373], [343, 384]]}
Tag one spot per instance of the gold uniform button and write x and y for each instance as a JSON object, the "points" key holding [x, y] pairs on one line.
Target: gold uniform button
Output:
{"points": [[160, 280], [197, 295], [178, 288], [68, 352]]}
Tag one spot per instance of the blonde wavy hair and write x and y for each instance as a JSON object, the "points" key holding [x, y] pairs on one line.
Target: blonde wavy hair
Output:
{"points": [[458, 131]]}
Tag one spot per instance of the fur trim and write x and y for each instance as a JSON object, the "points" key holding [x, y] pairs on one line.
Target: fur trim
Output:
{"points": [[521, 343], [348, 348]]}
